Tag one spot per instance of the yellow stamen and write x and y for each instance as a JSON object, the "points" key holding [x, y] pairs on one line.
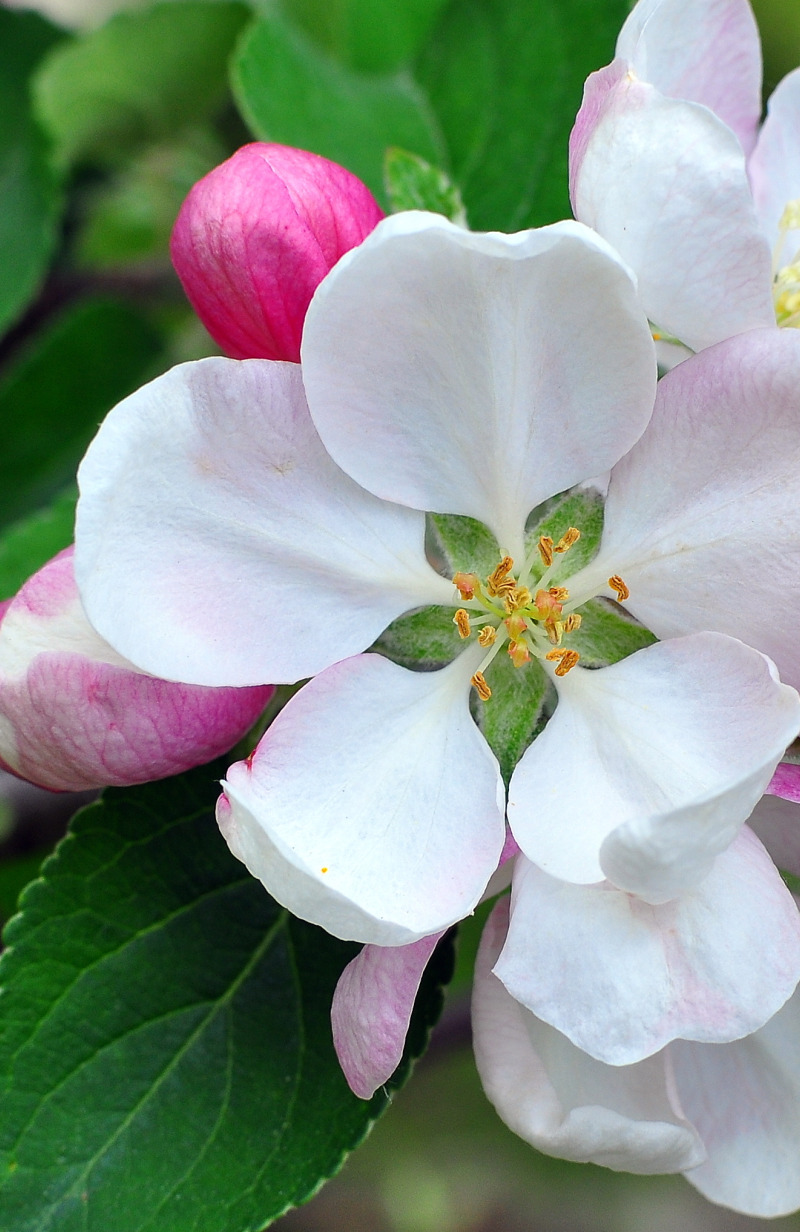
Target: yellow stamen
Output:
{"points": [[481, 687], [466, 584], [498, 581], [516, 624], [566, 541], [487, 636], [572, 622], [616, 583], [461, 622], [559, 594], [520, 596], [546, 550], [566, 659]]}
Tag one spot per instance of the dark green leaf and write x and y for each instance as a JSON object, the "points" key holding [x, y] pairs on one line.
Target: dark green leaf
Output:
{"points": [[166, 1048], [140, 77], [55, 395], [28, 544], [289, 91], [413, 184], [371, 35], [505, 78], [29, 189]]}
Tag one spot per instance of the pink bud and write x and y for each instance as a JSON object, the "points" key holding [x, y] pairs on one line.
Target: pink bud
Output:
{"points": [[255, 238], [75, 715]]}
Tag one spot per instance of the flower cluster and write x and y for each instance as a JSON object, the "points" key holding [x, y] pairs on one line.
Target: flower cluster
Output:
{"points": [[252, 520]]}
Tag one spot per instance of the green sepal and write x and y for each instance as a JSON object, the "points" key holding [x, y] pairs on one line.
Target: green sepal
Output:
{"points": [[424, 639], [607, 634], [414, 184], [521, 703], [582, 508], [456, 543], [166, 1046]]}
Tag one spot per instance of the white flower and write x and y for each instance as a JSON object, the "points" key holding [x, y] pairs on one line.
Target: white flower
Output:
{"points": [[666, 162], [218, 542]]}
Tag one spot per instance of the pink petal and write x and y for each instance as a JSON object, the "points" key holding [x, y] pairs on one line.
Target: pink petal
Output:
{"points": [[74, 714], [372, 1008]]}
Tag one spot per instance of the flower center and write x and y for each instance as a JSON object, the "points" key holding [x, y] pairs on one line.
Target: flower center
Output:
{"points": [[504, 611], [786, 278]]}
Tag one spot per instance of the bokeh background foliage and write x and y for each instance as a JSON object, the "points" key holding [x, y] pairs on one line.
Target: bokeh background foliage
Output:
{"points": [[165, 1055]]}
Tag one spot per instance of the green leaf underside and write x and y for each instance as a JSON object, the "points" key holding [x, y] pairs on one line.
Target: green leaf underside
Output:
{"points": [[141, 76], [28, 544], [30, 191], [165, 1045], [505, 79], [289, 91], [413, 184], [372, 36], [54, 396]]}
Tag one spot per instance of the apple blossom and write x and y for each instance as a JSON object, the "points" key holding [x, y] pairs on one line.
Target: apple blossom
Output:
{"points": [[74, 714], [666, 162], [256, 236]]}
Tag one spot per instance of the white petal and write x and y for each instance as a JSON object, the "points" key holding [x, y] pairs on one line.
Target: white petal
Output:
{"points": [[776, 821], [561, 1100], [473, 374], [666, 752], [373, 805], [744, 1099], [217, 543], [703, 515], [664, 181], [705, 51], [621, 978], [774, 166]]}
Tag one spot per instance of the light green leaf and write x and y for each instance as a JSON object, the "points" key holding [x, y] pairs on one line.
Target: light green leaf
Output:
{"points": [[607, 634], [456, 543], [413, 184], [54, 396], [29, 189], [582, 509], [371, 35], [424, 639], [28, 544], [166, 1052], [142, 76], [289, 91], [505, 78], [522, 701]]}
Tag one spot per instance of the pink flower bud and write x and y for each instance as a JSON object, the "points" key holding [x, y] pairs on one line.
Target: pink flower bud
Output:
{"points": [[255, 238], [75, 715]]}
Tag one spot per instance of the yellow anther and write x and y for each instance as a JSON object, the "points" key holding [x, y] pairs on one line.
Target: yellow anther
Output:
{"points": [[618, 586], [566, 660], [461, 622], [559, 593], [546, 550], [498, 581], [487, 636], [566, 541], [481, 687], [466, 584], [520, 596], [554, 630], [572, 622], [518, 653]]}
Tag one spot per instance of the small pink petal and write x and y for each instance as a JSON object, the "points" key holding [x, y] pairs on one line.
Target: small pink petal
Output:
{"points": [[371, 1011], [257, 235]]}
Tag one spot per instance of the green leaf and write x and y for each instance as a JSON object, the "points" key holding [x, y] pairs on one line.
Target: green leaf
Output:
{"points": [[521, 703], [413, 184], [371, 35], [142, 76], [607, 634], [54, 396], [456, 543], [425, 639], [166, 1048], [505, 78], [289, 91], [28, 544], [29, 189], [583, 509]]}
